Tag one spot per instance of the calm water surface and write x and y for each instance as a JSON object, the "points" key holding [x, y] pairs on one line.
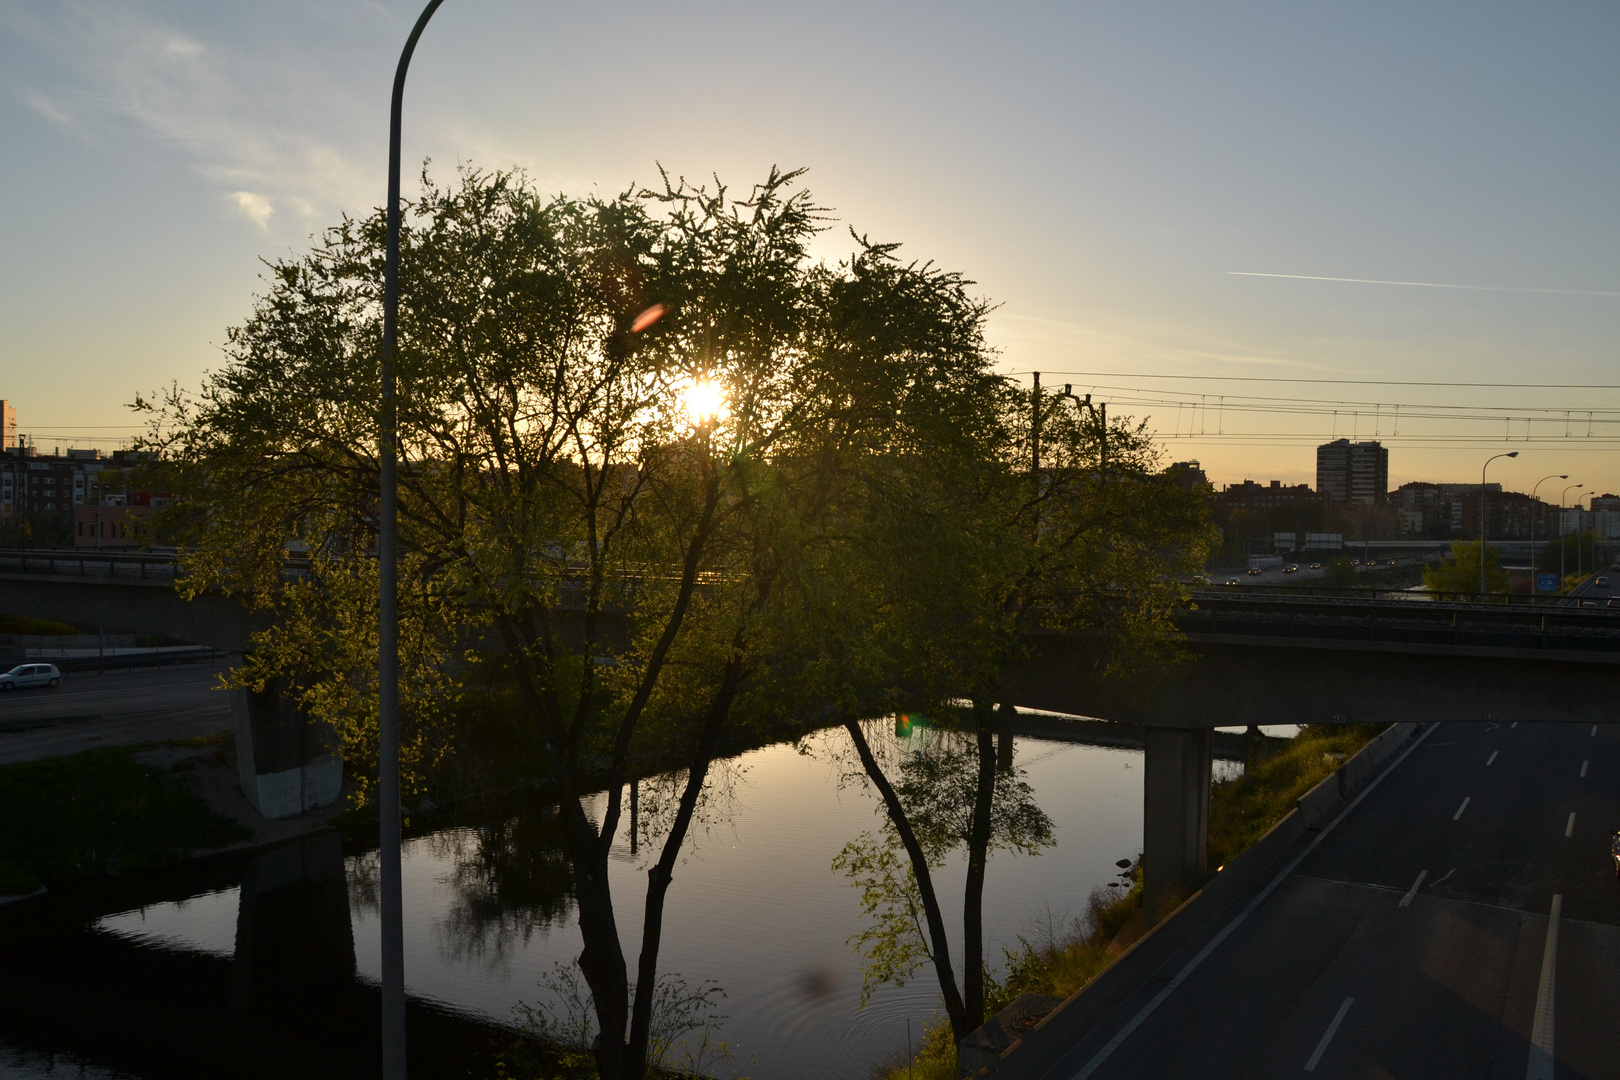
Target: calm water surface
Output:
{"points": [[755, 908]]}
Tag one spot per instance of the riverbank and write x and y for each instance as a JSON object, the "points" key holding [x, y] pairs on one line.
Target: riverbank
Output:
{"points": [[99, 812]]}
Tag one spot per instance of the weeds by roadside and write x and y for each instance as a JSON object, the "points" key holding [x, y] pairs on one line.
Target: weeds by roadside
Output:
{"points": [[1241, 810]]}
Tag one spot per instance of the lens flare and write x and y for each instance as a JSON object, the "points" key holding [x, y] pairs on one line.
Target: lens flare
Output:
{"points": [[647, 318]]}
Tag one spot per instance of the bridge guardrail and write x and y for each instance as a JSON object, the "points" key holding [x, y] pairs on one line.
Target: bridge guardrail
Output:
{"points": [[91, 562], [1562, 629]]}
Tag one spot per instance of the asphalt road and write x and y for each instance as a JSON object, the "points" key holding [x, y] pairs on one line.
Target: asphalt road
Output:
{"points": [[1413, 941], [1592, 591], [114, 708]]}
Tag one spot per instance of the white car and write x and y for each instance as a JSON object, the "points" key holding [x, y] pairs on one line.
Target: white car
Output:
{"points": [[30, 675]]}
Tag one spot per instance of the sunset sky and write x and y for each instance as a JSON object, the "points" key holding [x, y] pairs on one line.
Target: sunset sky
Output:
{"points": [[1110, 175]]}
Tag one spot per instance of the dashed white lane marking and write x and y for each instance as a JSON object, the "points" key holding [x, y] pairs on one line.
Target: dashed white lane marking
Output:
{"points": [[1594, 731], [1514, 724], [1327, 1036], [1461, 808], [1416, 885], [1540, 1066], [1569, 830], [1584, 764], [1492, 759], [1180, 977]]}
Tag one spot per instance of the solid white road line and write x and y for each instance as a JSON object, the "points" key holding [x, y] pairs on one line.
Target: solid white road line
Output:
{"points": [[1569, 830], [1461, 808], [1492, 759], [1327, 1036], [1540, 1066], [1583, 769], [1594, 731], [1416, 885], [1176, 980]]}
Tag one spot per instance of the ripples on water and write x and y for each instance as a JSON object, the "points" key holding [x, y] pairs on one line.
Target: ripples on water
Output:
{"points": [[755, 907]]}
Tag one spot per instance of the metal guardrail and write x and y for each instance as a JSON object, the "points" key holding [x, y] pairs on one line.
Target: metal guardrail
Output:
{"points": [[1467, 625], [91, 562]]}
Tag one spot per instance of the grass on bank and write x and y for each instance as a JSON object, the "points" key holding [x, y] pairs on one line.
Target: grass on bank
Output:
{"points": [[98, 812], [28, 624], [1240, 812]]}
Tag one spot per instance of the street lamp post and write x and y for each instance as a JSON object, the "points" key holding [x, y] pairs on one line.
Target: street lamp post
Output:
{"points": [[1562, 547], [388, 809], [1533, 515], [1482, 468]]}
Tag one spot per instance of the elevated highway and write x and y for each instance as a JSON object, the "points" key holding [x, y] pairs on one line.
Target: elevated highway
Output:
{"points": [[1252, 659]]}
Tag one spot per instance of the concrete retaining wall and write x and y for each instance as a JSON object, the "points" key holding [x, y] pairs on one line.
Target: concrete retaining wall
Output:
{"points": [[1213, 905]]}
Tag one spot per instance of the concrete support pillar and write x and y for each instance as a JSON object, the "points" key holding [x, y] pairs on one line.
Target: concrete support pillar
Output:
{"points": [[285, 763], [1175, 817]]}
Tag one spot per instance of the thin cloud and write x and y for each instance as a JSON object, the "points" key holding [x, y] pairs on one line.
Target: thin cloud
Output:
{"points": [[255, 207], [47, 108], [244, 120], [1429, 284]]}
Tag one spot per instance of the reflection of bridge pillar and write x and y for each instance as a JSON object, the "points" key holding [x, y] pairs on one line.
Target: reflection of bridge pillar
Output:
{"points": [[294, 940], [1175, 816], [285, 763]]}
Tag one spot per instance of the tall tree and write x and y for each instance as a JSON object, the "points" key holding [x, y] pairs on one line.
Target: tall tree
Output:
{"points": [[634, 434], [973, 552]]}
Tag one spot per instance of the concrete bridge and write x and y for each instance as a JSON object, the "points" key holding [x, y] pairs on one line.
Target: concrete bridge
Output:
{"points": [[1252, 660]]}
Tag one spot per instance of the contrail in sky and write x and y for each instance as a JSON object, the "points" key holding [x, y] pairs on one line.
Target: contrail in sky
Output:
{"points": [[1428, 284]]}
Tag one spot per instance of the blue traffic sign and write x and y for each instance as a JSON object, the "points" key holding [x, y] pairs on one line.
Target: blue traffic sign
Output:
{"points": [[1546, 583]]}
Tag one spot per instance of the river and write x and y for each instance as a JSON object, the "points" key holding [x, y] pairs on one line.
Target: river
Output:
{"points": [[756, 909]]}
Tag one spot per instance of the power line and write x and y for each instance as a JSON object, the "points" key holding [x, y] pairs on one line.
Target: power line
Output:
{"points": [[1331, 382]]}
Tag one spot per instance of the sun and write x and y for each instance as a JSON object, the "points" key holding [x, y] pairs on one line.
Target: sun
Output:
{"points": [[704, 401]]}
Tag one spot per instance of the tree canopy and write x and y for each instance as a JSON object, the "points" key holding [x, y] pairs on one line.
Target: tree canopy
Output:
{"points": [[666, 476]]}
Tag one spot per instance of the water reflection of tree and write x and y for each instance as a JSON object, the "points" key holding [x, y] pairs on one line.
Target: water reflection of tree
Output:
{"points": [[944, 792], [509, 880]]}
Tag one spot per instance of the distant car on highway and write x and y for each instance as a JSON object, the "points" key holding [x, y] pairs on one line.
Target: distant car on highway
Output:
{"points": [[1589, 603], [1289, 569], [1614, 601], [30, 675], [1603, 581], [1316, 566], [1254, 573], [1233, 581]]}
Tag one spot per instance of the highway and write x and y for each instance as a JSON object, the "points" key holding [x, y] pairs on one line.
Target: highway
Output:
{"points": [[1596, 589], [1413, 940], [1303, 571], [113, 708]]}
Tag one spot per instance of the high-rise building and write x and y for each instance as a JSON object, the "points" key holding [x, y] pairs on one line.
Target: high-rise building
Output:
{"points": [[1352, 472], [8, 425]]}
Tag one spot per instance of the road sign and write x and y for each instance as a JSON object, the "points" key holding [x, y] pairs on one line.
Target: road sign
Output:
{"points": [[1546, 583]]}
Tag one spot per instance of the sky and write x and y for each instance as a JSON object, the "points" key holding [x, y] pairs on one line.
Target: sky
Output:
{"points": [[1112, 176]]}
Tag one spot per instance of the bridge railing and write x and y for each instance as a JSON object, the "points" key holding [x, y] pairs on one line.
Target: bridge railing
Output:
{"points": [[1373, 592], [141, 565]]}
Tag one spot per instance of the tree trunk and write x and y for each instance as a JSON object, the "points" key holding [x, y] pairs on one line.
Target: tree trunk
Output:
{"points": [[939, 942], [663, 873], [978, 856]]}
